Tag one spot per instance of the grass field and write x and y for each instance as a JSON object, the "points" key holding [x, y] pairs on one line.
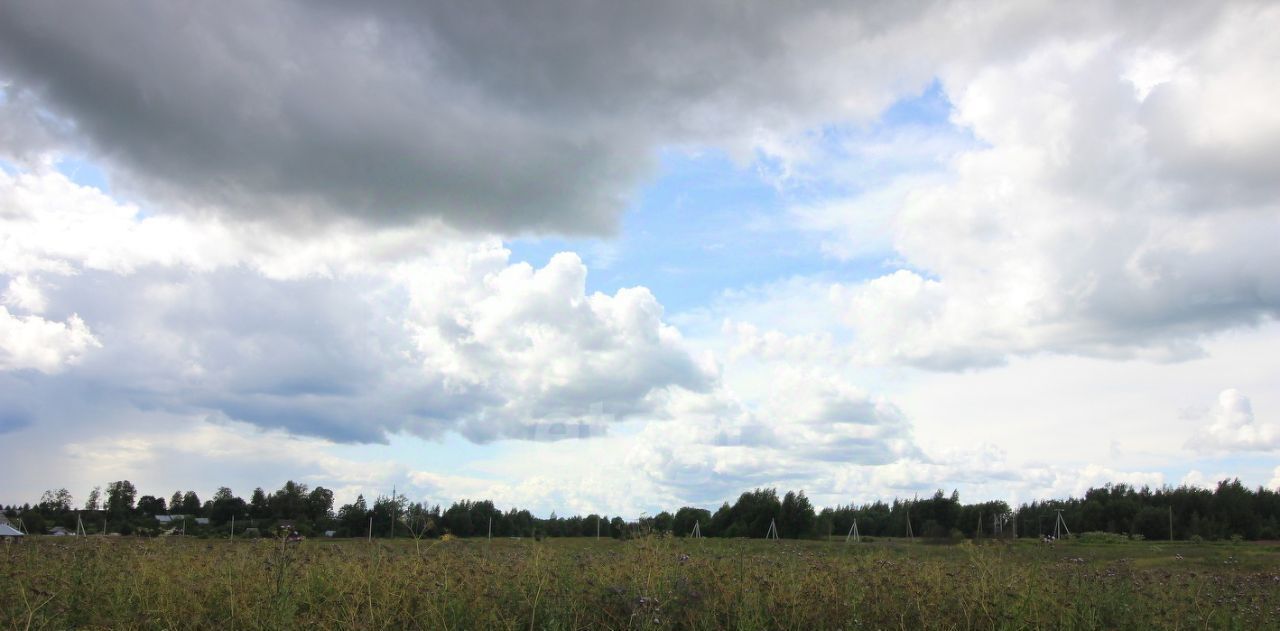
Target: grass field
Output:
{"points": [[647, 583]]}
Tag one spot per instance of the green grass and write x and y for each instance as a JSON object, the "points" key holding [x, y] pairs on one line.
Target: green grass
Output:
{"points": [[649, 583]]}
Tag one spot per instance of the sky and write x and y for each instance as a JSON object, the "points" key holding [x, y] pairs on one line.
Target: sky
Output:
{"points": [[620, 258]]}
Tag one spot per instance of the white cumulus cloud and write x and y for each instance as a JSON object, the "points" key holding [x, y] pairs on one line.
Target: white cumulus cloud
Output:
{"points": [[31, 342], [1232, 427]]}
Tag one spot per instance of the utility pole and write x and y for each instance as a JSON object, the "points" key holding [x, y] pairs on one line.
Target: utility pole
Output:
{"points": [[1171, 522], [853, 532], [1060, 525]]}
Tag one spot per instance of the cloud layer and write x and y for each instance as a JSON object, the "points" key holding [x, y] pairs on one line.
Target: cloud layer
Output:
{"points": [[196, 317], [497, 116], [300, 246]]}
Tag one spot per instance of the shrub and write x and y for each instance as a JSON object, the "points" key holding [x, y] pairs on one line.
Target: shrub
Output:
{"points": [[1102, 537]]}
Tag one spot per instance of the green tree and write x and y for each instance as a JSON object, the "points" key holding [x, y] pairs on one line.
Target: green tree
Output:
{"points": [[290, 502], [58, 501], [95, 499], [151, 505], [686, 517], [224, 506], [458, 519], [797, 518], [120, 498], [259, 508], [353, 518], [320, 504], [663, 521], [190, 503]]}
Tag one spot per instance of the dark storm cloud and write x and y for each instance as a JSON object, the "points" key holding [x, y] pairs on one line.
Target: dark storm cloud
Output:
{"points": [[498, 116]]}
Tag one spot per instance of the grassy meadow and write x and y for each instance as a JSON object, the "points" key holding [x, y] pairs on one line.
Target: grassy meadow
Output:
{"points": [[118, 582]]}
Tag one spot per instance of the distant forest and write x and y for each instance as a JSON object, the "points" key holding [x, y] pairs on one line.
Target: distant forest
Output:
{"points": [[1230, 511]]}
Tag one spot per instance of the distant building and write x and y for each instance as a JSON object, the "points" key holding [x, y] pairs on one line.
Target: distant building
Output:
{"points": [[330, 533], [59, 531], [9, 533], [202, 521]]}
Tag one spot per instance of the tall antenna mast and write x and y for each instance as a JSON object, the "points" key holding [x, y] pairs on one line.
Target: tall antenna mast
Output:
{"points": [[853, 532], [773, 530]]}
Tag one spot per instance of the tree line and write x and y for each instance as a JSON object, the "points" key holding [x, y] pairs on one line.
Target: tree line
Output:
{"points": [[1231, 510]]}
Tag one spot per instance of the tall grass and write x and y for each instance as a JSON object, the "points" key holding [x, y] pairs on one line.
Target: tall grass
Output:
{"points": [[647, 583]]}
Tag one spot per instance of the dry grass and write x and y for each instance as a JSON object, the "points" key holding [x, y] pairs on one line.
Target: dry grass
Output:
{"points": [[659, 583]]}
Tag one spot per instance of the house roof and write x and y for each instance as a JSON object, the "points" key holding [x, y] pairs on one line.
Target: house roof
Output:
{"points": [[9, 531]]}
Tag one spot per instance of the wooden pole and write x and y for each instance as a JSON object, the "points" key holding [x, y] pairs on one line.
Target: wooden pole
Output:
{"points": [[853, 532], [371, 529], [1171, 522], [233, 527]]}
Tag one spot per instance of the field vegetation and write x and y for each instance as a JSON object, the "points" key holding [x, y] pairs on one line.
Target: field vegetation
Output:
{"points": [[643, 582]]}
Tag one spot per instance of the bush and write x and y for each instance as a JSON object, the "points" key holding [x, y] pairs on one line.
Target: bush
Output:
{"points": [[1102, 537]]}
